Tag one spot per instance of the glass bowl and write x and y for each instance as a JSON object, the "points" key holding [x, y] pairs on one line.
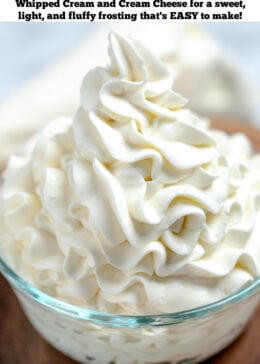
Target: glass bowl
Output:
{"points": [[99, 338], [185, 337]]}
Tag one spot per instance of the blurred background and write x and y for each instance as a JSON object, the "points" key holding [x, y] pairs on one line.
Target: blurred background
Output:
{"points": [[26, 48], [215, 65]]}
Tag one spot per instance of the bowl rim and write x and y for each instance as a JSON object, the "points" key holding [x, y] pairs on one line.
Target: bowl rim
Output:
{"points": [[120, 320]]}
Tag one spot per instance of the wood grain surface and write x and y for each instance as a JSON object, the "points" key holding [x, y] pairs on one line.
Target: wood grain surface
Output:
{"points": [[20, 343]]}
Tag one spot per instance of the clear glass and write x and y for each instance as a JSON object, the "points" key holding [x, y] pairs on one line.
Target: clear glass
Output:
{"points": [[176, 338]]}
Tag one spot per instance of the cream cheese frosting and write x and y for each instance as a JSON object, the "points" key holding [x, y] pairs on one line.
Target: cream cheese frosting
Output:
{"points": [[136, 205]]}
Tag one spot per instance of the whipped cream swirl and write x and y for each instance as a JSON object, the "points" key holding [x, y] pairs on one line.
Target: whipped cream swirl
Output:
{"points": [[135, 206]]}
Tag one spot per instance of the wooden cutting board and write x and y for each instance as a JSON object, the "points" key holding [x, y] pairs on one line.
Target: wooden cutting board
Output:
{"points": [[20, 343]]}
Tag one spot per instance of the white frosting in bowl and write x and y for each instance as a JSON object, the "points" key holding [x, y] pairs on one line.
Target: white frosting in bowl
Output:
{"points": [[135, 206]]}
